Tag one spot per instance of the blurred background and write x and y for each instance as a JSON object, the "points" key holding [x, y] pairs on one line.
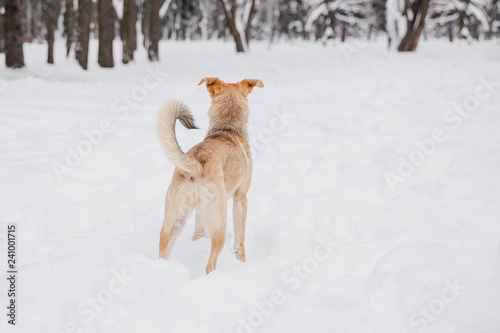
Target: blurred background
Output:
{"points": [[142, 23]]}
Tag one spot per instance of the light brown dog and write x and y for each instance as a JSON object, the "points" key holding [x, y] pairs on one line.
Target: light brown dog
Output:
{"points": [[210, 173]]}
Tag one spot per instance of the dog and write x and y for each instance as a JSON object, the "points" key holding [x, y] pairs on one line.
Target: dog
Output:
{"points": [[210, 173]]}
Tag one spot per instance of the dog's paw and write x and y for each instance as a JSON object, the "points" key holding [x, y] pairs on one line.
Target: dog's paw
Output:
{"points": [[240, 254], [197, 236], [210, 268]]}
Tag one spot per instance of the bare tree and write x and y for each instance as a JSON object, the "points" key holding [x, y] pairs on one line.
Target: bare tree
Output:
{"points": [[2, 33], [69, 24], [490, 10], [239, 16], [83, 32], [154, 30], [343, 18], [415, 13], [464, 18], [146, 14], [248, 24], [106, 33], [14, 56], [309, 10], [50, 13], [128, 30], [183, 20]]}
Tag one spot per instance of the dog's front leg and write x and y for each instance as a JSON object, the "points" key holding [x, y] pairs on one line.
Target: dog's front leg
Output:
{"points": [[239, 220]]}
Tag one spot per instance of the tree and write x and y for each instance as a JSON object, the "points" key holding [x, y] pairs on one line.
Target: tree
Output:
{"points": [[14, 56], [294, 17], [442, 18], [490, 10], [341, 17], [212, 21], [380, 20], [154, 30], [106, 33], [184, 19], [128, 30], [50, 13], [146, 14], [475, 15], [406, 18], [284, 17], [463, 18], [308, 11], [415, 13], [69, 25], [2, 31], [83, 32], [239, 15], [249, 19]]}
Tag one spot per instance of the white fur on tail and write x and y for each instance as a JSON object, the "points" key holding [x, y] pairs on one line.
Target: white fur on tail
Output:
{"points": [[169, 113]]}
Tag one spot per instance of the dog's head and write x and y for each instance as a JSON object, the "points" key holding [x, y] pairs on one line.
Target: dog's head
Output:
{"points": [[217, 87]]}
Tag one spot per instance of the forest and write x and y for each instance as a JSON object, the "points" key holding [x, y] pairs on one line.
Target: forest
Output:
{"points": [[143, 23]]}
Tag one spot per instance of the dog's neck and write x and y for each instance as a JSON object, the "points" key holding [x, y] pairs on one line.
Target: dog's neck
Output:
{"points": [[229, 113]]}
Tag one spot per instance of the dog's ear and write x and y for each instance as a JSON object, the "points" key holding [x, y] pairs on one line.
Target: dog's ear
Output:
{"points": [[249, 84], [213, 85]]}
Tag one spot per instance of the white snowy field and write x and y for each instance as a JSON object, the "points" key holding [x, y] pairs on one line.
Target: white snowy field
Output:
{"points": [[374, 207]]}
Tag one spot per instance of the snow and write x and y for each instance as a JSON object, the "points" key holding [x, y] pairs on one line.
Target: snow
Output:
{"points": [[330, 246]]}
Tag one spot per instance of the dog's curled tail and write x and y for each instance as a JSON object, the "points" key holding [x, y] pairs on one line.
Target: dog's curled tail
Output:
{"points": [[169, 113]]}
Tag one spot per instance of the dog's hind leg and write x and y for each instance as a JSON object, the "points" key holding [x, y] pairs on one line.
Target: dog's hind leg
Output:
{"points": [[215, 216], [239, 220], [176, 213]]}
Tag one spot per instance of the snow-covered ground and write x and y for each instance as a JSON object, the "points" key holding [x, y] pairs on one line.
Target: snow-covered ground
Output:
{"points": [[374, 206]]}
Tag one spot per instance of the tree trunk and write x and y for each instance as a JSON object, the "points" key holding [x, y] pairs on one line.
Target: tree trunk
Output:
{"points": [[50, 14], [334, 23], [304, 33], [69, 25], [491, 13], [231, 24], [106, 33], [82, 42], [30, 20], [450, 31], [2, 34], [272, 20], [343, 34], [145, 23], [50, 42], [287, 19], [129, 31], [462, 17], [414, 29], [14, 56], [236, 36], [489, 33], [248, 27], [154, 30], [182, 17]]}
